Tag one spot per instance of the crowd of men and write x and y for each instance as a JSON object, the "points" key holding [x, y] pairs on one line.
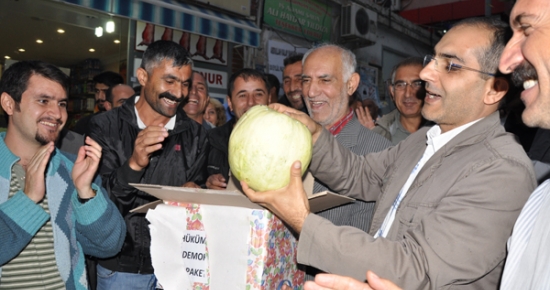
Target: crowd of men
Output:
{"points": [[445, 198]]}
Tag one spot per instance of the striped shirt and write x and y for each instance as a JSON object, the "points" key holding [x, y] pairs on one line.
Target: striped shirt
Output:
{"points": [[527, 262], [35, 266]]}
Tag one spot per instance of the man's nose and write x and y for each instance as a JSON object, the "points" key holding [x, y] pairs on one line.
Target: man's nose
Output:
{"points": [[511, 57]]}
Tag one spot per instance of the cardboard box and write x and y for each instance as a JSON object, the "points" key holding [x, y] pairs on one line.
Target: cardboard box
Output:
{"points": [[240, 244]]}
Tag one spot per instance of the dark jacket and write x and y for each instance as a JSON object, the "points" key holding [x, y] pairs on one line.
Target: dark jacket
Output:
{"points": [[181, 159], [218, 158]]}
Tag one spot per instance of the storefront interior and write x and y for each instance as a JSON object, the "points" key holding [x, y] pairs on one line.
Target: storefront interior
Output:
{"points": [[64, 35]]}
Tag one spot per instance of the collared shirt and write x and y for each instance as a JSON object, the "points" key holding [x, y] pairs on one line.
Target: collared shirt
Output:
{"points": [[169, 126], [338, 126], [435, 141]]}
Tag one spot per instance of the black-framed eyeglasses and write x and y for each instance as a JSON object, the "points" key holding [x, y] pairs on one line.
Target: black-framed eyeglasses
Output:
{"points": [[448, 65], [402, 85]]}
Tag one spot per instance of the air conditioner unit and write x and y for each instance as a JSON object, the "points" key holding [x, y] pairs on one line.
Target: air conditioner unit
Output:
{"points": [[358, 23]]}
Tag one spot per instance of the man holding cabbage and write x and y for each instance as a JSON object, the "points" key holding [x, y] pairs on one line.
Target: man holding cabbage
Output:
{"points": [[447, 196]]}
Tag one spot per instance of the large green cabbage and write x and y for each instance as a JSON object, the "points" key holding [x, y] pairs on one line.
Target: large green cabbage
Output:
{"points": [[263, 146]]}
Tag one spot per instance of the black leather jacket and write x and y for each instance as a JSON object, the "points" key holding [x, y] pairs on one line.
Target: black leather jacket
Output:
{"points": [[181, 159], [218, 158]]}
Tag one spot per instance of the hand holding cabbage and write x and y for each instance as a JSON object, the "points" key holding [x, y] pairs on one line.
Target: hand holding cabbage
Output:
{"points": [[263, 146]]}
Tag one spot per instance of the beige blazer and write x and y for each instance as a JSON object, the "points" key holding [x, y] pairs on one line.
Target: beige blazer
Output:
{"points": [[451, 228]]}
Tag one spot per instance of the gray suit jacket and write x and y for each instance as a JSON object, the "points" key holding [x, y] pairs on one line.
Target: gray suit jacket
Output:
{"points": [[451, 228]]}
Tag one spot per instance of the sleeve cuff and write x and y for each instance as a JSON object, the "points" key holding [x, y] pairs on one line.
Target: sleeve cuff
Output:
{"points": [[127, 175], [92, 210]]}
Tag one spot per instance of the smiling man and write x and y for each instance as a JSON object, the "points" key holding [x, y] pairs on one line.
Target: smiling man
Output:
{"points": [[407, 92], [329, 80], [53, 210], [447, 196], [246, 88], [149, 139], [527, 57], [292, 83], [198, 100]]}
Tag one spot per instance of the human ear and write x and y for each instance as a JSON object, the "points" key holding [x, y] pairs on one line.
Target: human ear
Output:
{"points": [[8, 103], [353, 83], [142, 76], [497, 90], [229, 103]]}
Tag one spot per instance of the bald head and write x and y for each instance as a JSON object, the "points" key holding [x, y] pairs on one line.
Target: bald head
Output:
{"points": [[118, 94]]}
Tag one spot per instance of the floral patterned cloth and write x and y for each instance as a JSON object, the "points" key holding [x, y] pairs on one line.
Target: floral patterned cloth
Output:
{"points": [[271, 254]]}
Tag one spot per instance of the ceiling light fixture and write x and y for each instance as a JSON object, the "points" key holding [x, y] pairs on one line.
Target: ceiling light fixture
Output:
{"points": [[91, 50], [99, 31], [7, 57], [117, 41], [60, 30], [21, 50], [39, 41], [110, 26]]}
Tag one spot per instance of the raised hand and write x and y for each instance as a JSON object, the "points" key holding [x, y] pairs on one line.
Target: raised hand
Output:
{"points": [[85, 168], [147, 142], [364, 117], [35, 185]]}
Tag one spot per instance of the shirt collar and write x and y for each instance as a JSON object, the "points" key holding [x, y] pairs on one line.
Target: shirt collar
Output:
{"points": [[338, 126], [438, 140], [169, 126]]}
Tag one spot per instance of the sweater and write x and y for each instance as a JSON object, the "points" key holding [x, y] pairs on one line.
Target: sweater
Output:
{"points": [[94, 228]]}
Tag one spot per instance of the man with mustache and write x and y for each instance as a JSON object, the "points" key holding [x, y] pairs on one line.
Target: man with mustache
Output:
{"points": [[407, 92], [198, 100], [447, 196], [292, 83], [53, 210], [527, 56], [329, 80], [148, 139]]}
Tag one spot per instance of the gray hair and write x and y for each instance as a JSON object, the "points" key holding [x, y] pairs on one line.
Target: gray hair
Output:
{"points": [[205, 81], [349, 62], [410, 61]]}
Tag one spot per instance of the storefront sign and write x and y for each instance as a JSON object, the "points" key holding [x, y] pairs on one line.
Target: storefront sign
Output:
{"points": [[200, 47], [277, 52], [306, 18], [214, 78]]}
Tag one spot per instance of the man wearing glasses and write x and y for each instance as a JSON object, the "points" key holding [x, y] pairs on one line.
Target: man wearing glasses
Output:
{"points": [[102, 82], [407, 92], [447, 196]]}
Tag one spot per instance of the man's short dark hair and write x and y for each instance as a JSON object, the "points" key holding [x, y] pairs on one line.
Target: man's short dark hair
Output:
{"points": [[108, 78], [161, 50], [273, 82], [489, 57], [410, 61], [246, 73], [16, 78], [293, 59]]}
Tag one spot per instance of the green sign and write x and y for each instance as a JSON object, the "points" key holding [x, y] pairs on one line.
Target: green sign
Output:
{"points": [[307, 18]]}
